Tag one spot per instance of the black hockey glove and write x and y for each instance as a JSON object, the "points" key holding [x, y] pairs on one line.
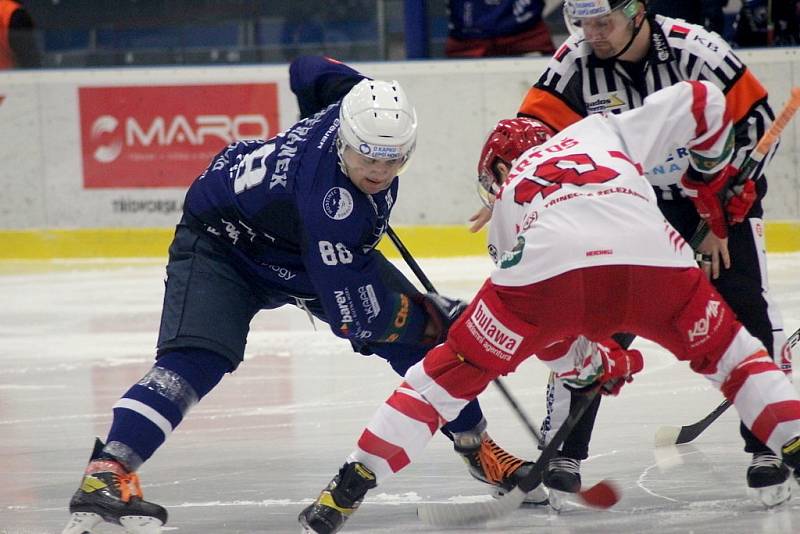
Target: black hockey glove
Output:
{"points": [[442, 313]]}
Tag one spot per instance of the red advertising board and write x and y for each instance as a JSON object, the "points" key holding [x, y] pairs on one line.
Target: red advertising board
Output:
{"points": [[164, 136]]}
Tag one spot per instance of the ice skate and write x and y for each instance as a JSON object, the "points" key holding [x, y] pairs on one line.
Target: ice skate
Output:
{"points": [[768, 477], [492, 465], [562, 477], [339, 500], [110, 493]]}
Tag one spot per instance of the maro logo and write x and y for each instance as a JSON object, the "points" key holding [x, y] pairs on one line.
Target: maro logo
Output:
{"points": [[165, 136]]}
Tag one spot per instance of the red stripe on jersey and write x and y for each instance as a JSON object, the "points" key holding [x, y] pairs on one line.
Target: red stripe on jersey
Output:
{"points": [[416, 409], [395, 456], [699, 94], [745, 370], [561, 52], [774, 414], [708, 143], [622, 155]]}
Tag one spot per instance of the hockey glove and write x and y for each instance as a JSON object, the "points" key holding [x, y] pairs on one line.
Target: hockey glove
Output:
{"points": [[442, 312], [706, 198], [739, 204], [609, 367]]}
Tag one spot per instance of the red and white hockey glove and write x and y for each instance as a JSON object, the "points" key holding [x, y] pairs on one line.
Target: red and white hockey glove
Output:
{"points": [[739, 204], [607, 366], [706, 197]]}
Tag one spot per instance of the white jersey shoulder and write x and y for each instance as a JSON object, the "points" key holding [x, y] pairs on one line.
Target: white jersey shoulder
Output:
{"points": [[708, 47]]}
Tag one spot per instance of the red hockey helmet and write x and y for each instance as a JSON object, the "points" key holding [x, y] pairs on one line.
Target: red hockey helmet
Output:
{"points": [[505, 143]]}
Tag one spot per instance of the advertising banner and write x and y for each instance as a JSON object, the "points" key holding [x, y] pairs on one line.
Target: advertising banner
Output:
{"points": [[164, 136]]}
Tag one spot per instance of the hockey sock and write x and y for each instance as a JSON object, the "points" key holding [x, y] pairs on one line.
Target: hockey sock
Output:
{"points": [[153, 407]]}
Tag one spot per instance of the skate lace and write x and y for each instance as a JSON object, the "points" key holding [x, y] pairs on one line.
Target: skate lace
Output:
{"points": [[128, 486], [496, 463], [569, 465], [765, 460]]}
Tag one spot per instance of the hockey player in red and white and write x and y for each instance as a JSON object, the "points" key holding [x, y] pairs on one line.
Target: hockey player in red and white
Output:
{"points": [[582, 251]]}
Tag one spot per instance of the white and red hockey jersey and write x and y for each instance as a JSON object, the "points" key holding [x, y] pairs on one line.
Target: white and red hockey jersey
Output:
{"points": [[590, 176]]}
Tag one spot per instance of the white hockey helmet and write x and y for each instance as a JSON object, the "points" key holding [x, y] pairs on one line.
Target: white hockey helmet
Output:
{"points": [[576, 10], [377, 120]]}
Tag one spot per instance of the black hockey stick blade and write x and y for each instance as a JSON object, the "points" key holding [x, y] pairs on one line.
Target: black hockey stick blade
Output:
{"points": [[673, 435], [454, 514]]}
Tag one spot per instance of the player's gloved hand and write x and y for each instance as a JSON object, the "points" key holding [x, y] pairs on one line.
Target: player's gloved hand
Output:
{"points": [[610, 367], [619, 366], [706, 197], [442, 312], [739, 204], [361, 347]]}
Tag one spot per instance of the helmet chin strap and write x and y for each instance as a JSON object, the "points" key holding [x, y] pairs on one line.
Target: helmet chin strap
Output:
{"points": [[340, 148], [636, 30]]}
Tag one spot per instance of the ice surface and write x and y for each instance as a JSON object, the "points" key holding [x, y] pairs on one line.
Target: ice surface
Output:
{"points": [[74, 336]]}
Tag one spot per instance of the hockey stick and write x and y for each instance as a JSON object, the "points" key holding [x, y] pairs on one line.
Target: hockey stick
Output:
{"points": [[673, 435], [756, 156], [601, 495], [454, 514], [428, 285]]}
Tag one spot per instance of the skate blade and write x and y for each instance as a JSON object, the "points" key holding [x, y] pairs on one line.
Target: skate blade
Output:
{"points": [[773, 496], [536, 497], [140, 524], [82, 523], [559, 499], [306, 528]]}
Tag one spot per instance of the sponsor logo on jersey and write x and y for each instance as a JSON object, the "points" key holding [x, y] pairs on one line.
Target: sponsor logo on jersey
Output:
{"points": [[332, 128], [529, 220], [702, 326], [785, 359], [282, 272], [369, 301], [337, 203], [660, 46], [232, 231], [493, 335], [673, 164], [605, 103], [343, 303], [164, 136], [512, 257], [708, 43]]}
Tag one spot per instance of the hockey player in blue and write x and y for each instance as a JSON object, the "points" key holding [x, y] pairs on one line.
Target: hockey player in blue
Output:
{"points": [[291, 220]]}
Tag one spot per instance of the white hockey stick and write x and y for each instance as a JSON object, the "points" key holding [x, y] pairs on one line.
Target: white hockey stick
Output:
{"points": [[675, 435]]}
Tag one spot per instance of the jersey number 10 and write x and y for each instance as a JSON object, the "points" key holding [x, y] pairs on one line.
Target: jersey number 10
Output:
{"points": [[551, 174]]}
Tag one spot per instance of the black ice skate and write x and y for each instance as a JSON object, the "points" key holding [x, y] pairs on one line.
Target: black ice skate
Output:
{"points": [[768, 476], [339, 500], [492, 465], [108, 492], [562, 476]]}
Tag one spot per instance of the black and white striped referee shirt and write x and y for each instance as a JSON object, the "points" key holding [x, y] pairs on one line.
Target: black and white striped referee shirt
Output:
{"points": [[576, 83]]}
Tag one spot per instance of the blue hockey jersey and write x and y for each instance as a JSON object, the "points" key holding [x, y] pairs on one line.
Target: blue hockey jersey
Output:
{"points": [[293, 219]]}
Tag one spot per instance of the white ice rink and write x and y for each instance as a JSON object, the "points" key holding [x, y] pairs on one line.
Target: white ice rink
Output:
{"points": [[254, 452]]}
